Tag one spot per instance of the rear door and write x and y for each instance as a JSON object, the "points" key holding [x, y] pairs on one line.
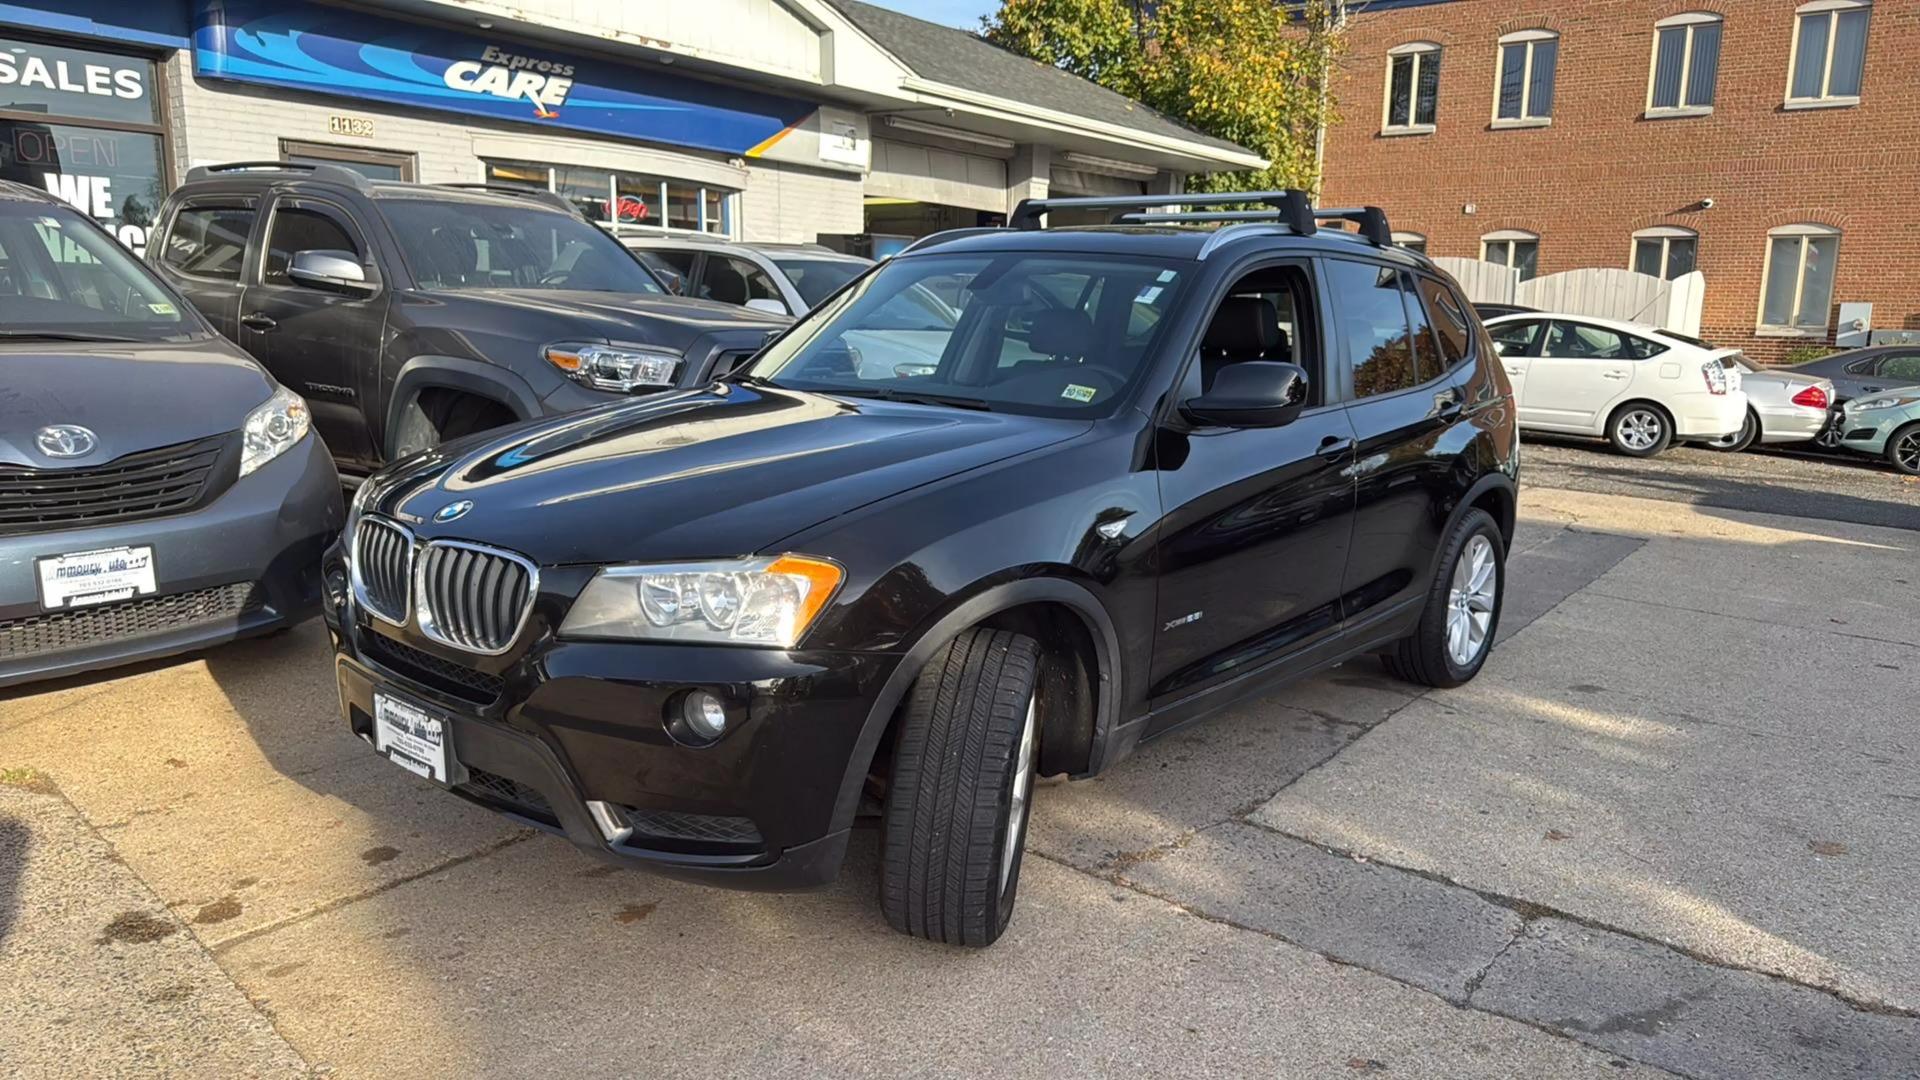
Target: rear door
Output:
{"points": [[1581, 371], [203, 253]]}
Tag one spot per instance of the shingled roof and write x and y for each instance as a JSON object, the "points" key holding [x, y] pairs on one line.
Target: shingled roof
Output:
{"points": [[955, 57]]}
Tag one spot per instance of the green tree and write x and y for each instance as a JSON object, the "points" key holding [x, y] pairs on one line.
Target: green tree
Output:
{"points": [[1254, 72]]}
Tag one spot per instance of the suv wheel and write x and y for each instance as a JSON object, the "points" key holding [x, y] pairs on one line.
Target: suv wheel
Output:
{"points": [[1455, 632], [956, 811], [1638, 429]]}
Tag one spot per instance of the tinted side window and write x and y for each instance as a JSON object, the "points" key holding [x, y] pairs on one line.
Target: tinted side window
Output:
{"points": [[1514, 338], [736, 281], [1373, 326], [1449, 320], [1901, 367], [294, 230], [1642, 349], [209, 241], [1578, 341], [674, 274]]}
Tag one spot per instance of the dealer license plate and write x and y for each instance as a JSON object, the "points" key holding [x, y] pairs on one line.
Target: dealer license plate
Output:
{"points": [[95, 577], [410, 737]]}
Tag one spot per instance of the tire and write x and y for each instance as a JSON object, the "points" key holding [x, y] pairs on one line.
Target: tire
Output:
{"points": [[442, 416], [956, 810], [1903, 450], [1640, 429], [1742, 439], [1427, 656]]}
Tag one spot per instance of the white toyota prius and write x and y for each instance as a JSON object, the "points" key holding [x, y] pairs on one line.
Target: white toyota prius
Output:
{"points": [[1639, 387]]}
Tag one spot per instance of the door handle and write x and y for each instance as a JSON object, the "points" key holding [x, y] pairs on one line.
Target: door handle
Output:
{"points": [[1615, 375], [1871, 389], [258, 321], [1516, 371], [1448, 402], [1334, 447]]}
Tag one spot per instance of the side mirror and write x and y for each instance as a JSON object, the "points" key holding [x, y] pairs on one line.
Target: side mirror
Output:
{"points": [[771, 307], [1251, 394], [325, 268]]}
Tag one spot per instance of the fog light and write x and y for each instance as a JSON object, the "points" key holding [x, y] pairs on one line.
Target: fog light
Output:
{"points": [[703, 717]]}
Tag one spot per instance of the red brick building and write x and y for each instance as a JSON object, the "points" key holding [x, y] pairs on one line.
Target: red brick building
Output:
{"points": [[1774, 143]]}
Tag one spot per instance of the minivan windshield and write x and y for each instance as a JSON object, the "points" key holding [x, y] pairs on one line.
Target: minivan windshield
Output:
{"points": [[62, 279], [1028, 332], [460, 244]]}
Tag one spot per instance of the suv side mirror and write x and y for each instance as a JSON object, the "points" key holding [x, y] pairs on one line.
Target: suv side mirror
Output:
{"points": [[771, 307], [324, 268], [1251, 394]]}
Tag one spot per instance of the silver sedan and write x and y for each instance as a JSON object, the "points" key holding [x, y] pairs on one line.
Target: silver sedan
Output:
{"points": [[1783, 406]]}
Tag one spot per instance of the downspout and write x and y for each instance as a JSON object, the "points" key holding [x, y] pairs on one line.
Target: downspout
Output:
{"points": [[1320, 116]]}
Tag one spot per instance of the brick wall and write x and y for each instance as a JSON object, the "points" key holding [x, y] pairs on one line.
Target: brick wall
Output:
{"points": [[1602, 170]]}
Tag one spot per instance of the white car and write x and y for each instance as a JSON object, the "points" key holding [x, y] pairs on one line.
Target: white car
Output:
{"points": [[1639, 387]]}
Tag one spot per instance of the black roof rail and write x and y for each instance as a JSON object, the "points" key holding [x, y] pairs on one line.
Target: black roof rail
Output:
{"points": [[337, 174], [1290, 207], [1371, 220], [944, 235], [534, 193]]}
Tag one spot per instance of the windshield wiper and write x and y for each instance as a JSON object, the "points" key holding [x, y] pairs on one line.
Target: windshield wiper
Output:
{"points": [[745, 379], [59, 335], [911, 397]]}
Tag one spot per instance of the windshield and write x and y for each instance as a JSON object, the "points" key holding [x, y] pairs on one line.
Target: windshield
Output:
{"points": [[475, 245], [816, 279], [1051, 335], [60, 277]]}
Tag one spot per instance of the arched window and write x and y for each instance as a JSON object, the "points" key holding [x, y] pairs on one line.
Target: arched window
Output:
{"points": [[1665, 252], [1514, 248], [1412, 241], [1829, 58], [1686, 65], [1523, 85], [1413, 88], [1798, 289]]}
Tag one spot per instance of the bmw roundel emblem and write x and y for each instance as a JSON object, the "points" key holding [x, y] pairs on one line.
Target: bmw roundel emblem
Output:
{"points": [[453, 511], [65, 440]]}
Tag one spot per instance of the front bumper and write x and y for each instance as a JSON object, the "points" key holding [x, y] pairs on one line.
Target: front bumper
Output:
{"points": [[243, 565], [1869, 431], [570, 737]]}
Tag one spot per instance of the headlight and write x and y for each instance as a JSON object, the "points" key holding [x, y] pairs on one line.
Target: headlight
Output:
{"points": [[762, 601], [610, 367], [1872, 404], [277, 424]]}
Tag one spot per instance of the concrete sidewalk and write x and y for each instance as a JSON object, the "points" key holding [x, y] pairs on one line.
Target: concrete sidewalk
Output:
{"points": [[1669, 829]]}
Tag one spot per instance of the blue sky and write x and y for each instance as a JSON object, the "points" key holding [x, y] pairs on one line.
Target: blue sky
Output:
{"points": [[962, 13]]}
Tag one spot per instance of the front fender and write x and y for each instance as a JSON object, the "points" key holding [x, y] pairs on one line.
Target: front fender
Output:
{"points": [[465, 374]]}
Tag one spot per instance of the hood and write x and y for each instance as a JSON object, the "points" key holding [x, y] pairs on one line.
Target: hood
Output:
{"points": [[691, 316], [130, 396], [728, 470]]}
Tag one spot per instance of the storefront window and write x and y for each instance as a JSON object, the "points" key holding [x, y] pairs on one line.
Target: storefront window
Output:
{"points": [[84, 126], [626, 200]]}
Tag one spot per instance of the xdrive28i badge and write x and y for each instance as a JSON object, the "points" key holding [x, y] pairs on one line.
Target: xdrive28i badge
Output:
{"points": [[453, 511], [65, 440]]}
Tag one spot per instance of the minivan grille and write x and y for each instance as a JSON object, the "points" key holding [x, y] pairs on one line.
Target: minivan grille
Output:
{"points": [[150, 483], [473, 597], [78, 628], [383, 564]]}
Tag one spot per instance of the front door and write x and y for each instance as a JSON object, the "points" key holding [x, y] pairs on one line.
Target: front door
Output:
{"points": [[1516, 343], [1581, 371], [322, 343], [1258, 521]]}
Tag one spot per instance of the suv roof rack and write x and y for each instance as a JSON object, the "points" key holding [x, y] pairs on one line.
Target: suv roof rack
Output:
{"points": [[1291, 208], [536, 194], [337, 174]]}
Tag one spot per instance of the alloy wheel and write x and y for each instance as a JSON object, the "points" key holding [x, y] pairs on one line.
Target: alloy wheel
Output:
{"points": [[1906, 451], [1640, 429], [1476, 583]]}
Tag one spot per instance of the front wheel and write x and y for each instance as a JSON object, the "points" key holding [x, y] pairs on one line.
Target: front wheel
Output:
{"points": [[1455, 633], [1741, 439], [956, 811], [1639, 430], [1903, 450]]}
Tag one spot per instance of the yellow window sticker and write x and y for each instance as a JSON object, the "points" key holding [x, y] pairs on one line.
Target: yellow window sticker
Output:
{"points": [[162, 309], [1076, 392]]}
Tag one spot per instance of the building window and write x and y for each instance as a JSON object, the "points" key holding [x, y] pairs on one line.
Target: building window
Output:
{"points": [[1523, 93], [624, 201], [1798, 289], [373, 164], [1686, 65], [1665, 252], [1513, 248], [1829, 53], [1412, 241], [1413, 88]]}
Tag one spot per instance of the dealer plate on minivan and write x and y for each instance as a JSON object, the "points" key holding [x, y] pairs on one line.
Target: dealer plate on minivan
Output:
{"points": [[94, 577], [410, 737]]}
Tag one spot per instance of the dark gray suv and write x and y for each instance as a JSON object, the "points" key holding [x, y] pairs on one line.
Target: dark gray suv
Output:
{"points": [[412, 314], [159, 492]]}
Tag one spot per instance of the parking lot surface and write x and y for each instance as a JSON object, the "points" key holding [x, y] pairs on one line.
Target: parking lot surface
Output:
{"points": [[1668, 831]]}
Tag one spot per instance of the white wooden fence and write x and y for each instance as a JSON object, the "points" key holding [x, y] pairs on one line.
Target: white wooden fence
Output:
{"points": [[1606, 293]]}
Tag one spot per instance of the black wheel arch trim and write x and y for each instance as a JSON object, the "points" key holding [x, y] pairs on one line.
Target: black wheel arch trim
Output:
{"points": [[471, 376], [1470, 498], [972, 611]]}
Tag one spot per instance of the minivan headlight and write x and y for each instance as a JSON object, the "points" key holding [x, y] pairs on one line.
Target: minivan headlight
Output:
{"points": [[768, 601], [613, 367], [271, 429]]}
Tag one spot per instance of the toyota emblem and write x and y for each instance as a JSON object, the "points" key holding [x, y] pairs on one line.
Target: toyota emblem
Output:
{"points": [[65, 440]]}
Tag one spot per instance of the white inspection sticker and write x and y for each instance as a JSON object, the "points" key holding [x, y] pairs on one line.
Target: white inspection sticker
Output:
{"points": [[95, 577], [1076, 392]]}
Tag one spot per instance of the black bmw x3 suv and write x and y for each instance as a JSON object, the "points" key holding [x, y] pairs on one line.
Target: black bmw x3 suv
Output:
{"points": [[1003, 507]]}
